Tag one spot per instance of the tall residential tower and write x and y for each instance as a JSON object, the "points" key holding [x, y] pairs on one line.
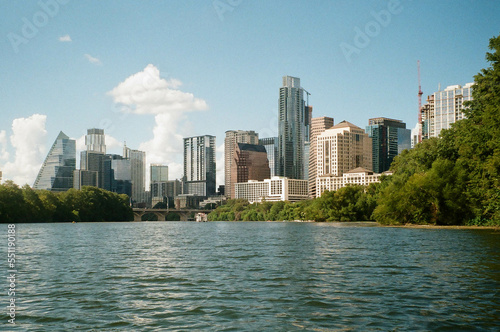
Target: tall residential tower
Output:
{"points": [[199, 165], [293, 129]]}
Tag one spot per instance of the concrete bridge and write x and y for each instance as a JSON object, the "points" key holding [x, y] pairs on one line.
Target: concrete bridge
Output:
{"points": [[162, 213]]}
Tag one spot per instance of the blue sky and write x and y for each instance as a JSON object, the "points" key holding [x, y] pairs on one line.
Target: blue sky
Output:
{"points": [[185, 68]]}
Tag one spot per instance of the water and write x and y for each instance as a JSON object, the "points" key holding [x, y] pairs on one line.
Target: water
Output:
{"points": [[253, 276]]}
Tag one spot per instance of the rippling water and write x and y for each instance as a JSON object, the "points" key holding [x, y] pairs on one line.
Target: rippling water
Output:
{"points": [[254, 276]]}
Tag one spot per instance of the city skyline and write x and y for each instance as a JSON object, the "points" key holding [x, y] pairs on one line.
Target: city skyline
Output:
{"points": [[67, 69]]}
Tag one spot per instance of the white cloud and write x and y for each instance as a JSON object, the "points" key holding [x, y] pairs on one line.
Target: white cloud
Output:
{"points": [[65, 38], [166, 146], [93, 60], [28, 139], [146, 93], [4, 155]]}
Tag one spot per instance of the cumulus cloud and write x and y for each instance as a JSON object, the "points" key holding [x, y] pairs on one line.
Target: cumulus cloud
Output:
{"points": [[4, 155], [65, 38], [147, 93], [28, 139], [93, 60]]}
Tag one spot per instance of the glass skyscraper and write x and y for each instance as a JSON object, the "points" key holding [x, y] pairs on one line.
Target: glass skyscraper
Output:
{"points": [[56, 173], [293, 129], [389, 138], [271, 145], [199, 165]]}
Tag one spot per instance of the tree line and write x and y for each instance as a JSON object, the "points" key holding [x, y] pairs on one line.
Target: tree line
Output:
{"points": [[450, 180], [90, 204]]}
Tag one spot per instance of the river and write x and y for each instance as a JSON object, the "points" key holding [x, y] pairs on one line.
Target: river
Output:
{"points": [[252, 276]]}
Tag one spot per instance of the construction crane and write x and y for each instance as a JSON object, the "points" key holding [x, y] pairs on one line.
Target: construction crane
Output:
{"points": [[420, 93]]}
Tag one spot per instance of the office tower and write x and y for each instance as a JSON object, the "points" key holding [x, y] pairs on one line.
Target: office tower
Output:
{"points": [[293, 122], [233, 137], [91, 172], [165, 192], [158, 178], [444, 108], [158, 173], [249, 163], [318, 125], [95, 141], [271, 146], [307, 141], [448, 106], [389, 138], [137, 173], [117, 174], [199, 165], [56, 173], [340, 149]]}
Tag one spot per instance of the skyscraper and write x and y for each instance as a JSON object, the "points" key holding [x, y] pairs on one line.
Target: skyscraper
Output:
{"points": [[389, 138], [137, 173], [56, 173], [233, 137], [249, 163], [199, 165], [293, 123], [271, 146], [444, 108], [318, 125], [91, 172], [158, 173], [340, 149]]}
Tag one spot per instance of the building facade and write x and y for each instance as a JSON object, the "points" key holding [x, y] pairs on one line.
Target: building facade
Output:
{"points": [[340, 149], [137, 173], [56, 173], [199, 165], [318, 126], [444, 108], [293, 129], [233, 137], [91, 172], [389, 138], [358, 176], [277, 188], [271, 146], [249, 163]]}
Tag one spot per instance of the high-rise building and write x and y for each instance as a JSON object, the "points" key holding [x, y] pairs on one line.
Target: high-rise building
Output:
{"points": [[56, 173], [340, 149], [293, 123], [199, 165], [307, 141], [389, 138], [117, 174], [249, 163], [158, 173], [318, 125], [95, 141], [91, 172], [137, 173], [271, 146], [444, 108], [233, 137]]}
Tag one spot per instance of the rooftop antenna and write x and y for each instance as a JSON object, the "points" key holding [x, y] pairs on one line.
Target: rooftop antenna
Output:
{"points": [[420, 93]]}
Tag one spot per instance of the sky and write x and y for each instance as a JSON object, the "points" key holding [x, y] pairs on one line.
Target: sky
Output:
{"points": [[152, 72]]}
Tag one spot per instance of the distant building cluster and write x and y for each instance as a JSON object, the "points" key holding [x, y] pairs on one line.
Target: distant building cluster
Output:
{"points": [[309, 156]]}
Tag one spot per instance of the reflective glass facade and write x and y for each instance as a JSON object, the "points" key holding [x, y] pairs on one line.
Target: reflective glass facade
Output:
{"points": [[199, 165], [56, 173]]}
